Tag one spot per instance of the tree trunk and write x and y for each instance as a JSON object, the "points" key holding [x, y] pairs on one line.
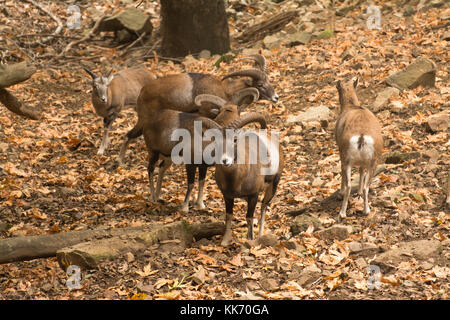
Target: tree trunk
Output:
{"points": [[190, 26]]}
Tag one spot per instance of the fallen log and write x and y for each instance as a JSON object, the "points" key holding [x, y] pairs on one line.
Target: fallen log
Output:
{"points": [[271, 25], [87, 255], [11, 75], [87, 248]]}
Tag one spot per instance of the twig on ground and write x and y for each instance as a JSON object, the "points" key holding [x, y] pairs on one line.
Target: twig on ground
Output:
{"points": [[127, 49], [137, 6], [46, 35], [178, 60], [153, 47], [85, 38], [69, 59], [21, 49], [51, 15]]}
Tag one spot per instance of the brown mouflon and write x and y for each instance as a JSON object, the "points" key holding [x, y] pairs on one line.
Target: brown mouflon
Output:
{"points": [[112, 92], [358, 136]]}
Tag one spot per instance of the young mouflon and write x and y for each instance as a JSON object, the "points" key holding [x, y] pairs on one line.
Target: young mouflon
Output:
{"points": [[113, 92], [358, 136]]}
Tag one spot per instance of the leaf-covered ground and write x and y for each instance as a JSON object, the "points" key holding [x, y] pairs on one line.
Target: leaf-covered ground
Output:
{"points": [[52, 181]]}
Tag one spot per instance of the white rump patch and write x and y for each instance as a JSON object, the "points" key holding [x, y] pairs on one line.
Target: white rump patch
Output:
{"points": [[363, 155]]}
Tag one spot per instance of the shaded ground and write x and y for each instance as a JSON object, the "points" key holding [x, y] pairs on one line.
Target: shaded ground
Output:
{"points": [[51, 179]]}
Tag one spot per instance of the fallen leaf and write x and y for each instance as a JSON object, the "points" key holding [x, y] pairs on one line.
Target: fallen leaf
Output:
{"points": [[310, 229], [333, 283], [12, 170], [139, 296], [205, 259], [228, 267], [237, 261], [440, 272], [162, 282], [171, 295], [147, 271], [392, 280], [38, 214], [252, 275], [248, 295]]}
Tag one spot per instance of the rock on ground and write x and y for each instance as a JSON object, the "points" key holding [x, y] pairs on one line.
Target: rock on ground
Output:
{"points": [[404, 251], [133, 20], [338, 232], [437, 122], [421, 72], [204, 54], [308, 275], [364, 248], [383, 97], [269, 284], [273, 41], [302, 222], [301, 37], [311, 114], [268, 240]]}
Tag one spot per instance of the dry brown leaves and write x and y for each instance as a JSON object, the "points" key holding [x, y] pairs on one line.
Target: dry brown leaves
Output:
{"points": [[51, 179]]}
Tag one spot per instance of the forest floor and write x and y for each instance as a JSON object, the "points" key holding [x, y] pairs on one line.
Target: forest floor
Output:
{"points": [[52, 180]]}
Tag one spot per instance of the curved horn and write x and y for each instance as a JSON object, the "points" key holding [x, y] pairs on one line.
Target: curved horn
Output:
{"points": [[253, 73], [248, 118], [209, 123], [209, 98], [259, 59], [109, 73], [93, 76], [244, 93]]}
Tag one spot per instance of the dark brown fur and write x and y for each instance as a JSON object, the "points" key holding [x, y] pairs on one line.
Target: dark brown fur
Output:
{"points": [[178, 91], [158, 123], [246, 181]]}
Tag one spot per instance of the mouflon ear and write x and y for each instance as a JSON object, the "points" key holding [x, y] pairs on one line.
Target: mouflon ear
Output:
{"points": [[355, 83], [109, 76]]}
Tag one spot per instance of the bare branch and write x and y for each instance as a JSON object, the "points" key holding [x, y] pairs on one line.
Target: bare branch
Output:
{"points": [[51, 15], [85, 38]]}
